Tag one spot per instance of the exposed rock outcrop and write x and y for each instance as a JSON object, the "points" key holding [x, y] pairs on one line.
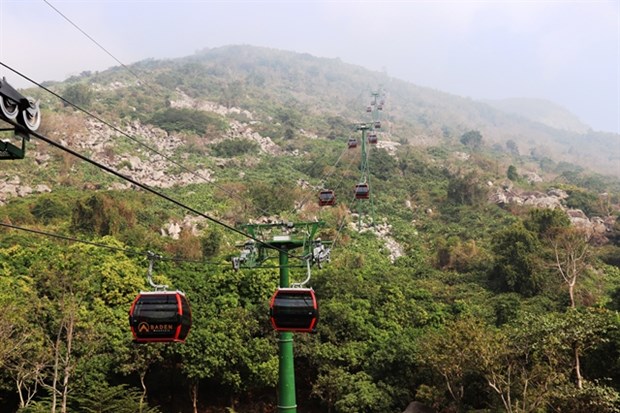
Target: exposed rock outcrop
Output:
{"points": [[595, 227], [13, 187], [383, 232]]}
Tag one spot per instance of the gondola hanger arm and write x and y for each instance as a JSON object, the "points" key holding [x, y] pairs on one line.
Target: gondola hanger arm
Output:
{"points": [[149, 275], [304, 282]]}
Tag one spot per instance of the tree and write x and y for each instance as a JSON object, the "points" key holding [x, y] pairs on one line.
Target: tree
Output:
{"points": [[232, 93], [512, 147], [272, 197], [467, 190], [517, 267], [472, 139], [545, 222], [196, 121], [224, 345], [113, 399], [79, 94], [23, 350], [347, 392], [572, 252], [512, 174], [102, 214], [454, 352]]}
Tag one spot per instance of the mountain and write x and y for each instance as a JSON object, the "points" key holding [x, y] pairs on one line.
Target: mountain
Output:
{"points": [[249, 76], [452, 269], [265, 81]]}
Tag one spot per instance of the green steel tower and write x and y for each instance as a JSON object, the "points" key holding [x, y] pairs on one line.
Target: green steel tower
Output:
{"points": [[283, 243]]}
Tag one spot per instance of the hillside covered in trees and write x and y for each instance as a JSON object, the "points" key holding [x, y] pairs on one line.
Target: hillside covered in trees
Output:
{"points": [[483, 274]]}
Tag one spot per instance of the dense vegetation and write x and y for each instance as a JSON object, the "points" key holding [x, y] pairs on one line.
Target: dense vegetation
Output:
{"points": [[488, 308]]}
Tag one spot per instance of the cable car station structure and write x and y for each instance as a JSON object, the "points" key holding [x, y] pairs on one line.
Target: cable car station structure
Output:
{"points": [[23, 114]]}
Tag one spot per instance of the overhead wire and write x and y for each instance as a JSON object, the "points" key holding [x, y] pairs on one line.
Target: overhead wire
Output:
{"points": [[96, 42], [324, 177], [141, 81], [116, 129], [127, 251], [67, 238], [136, 183], [132, 138]]}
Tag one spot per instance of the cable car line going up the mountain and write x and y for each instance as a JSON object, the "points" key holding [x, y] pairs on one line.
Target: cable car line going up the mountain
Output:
{"points": [[362, 189]]}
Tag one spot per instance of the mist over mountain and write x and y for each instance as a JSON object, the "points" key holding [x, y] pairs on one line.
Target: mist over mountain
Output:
{"points": [[418, 115], [542, 111]]}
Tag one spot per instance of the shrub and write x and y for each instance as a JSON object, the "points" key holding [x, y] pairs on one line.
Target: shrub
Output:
{"points": [[177, 120], [230, 148]]}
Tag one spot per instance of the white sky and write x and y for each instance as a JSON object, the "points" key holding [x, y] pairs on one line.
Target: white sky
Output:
{"points": [[564, 51]]}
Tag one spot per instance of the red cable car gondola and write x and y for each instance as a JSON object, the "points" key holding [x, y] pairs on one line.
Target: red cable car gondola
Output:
{"points": [[362, 191], [294, 309], [372, 138], [327, 197], [377, 124], [160, 316], [352, 143]]}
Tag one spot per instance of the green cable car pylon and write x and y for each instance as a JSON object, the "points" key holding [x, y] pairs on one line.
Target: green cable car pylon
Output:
{"points": [[290, 236], [363, 195]]}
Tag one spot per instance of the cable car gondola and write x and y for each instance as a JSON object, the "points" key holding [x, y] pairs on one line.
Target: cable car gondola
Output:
{"points": [[369, 109], [362, 191], [327, 197], [294, 309], [352, 143], [377, 124], [160, 316], [372, 138]]}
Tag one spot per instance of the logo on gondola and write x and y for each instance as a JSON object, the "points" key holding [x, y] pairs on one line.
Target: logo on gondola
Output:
{"points": [[146, 328]]}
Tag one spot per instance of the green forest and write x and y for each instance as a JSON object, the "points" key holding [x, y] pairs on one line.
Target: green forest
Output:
{"points": [[454, 285]]}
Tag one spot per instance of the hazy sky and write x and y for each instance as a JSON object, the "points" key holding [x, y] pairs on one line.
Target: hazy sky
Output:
{"points": [[564, 51]]}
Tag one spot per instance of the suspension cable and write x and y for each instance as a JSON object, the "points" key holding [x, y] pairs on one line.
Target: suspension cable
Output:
{"points": [[127, 251], [147, 188], [116, 129]]}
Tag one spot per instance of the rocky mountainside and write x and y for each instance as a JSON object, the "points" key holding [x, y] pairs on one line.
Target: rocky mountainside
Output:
{"points": [[299, 91]]}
